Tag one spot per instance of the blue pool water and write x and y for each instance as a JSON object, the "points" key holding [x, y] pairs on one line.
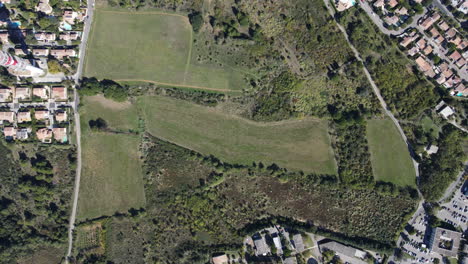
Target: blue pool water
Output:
{"points": [[67, 26]]}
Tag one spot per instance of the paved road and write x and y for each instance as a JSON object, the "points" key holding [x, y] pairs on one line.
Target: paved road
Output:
{"points": [[375, 89], [76, 77], [380, 24], [443, 8]]}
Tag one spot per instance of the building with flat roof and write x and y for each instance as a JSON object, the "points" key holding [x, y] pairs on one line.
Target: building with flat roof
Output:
{"points": [[7, 116], [261, 247], [346, 253], [445, 242]]}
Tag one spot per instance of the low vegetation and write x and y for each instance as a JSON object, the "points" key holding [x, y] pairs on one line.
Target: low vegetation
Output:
{"points": [[198, 205], [299, 145], [390, 157], [111, 178]]}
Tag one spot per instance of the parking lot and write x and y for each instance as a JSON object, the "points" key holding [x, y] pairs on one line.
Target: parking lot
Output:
{"points": [[455, 212]]}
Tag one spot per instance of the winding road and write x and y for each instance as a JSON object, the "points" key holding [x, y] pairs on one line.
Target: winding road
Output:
{"points": [[76, 77]]}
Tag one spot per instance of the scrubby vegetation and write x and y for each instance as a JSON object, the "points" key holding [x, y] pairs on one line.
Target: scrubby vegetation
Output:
{"points": [[110, 89], [34, 199], [406, 91], [198, 205]]}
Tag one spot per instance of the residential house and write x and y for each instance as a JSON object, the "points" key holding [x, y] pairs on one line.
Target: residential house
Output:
{"points": [[425, 67], [44, 135], [222, 259], [446, 112], [456, 40], [60, 53], [450, 33], [24, 117], [429, 20], [434, 33], [463, 44], [431, 149], [5, 94], [9, 133], [7, 116], [391, 20], [460, 63], [413, 51], [379, 3], [44, 52], [45, 36], [60, 134], [407, 40], [447, 73], [421, 43], [455, 56], [44, 7], [342, 5], [443, 26], [461, 90], [22, 93], [69, 16], [61, 116], [41, 114], [392, 3], [69, 36], [428, 50], [40, 92], [402, 11], [59, 93], [440, 79], [4, 36], [22, 133]]}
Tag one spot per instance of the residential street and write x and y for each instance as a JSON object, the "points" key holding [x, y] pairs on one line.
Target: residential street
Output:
{"points": [[79, 72], [377, 21]]}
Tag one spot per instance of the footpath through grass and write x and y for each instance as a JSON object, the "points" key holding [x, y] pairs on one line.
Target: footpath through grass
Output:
{"points": [[111, 177], [390, 158], [151, 46], [300, 144]]}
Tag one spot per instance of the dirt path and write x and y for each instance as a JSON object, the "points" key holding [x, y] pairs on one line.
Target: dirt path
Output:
{"points": [[176, 85], [145, 13]]}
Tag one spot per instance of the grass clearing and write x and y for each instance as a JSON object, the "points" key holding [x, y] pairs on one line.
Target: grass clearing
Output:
{"points": [[152, 46], [390, 158], [430, 127], [111, 178], [299, 144]]}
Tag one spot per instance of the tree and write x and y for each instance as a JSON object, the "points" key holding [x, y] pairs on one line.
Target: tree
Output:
{"points": [[196, 19]]}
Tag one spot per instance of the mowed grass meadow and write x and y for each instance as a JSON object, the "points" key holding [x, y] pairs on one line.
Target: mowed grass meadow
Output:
{"points": [[111, 177], [390, 158], [297, 144], [151, 46]]}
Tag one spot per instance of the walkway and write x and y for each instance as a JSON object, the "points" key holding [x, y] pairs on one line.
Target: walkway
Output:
{"points": [[375, 89], [76, 77]]}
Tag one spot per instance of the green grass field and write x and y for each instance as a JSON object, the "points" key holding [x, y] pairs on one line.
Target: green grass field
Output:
{"points": [[111, 177], [390, 158], [301, 144], [151, 46]]}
